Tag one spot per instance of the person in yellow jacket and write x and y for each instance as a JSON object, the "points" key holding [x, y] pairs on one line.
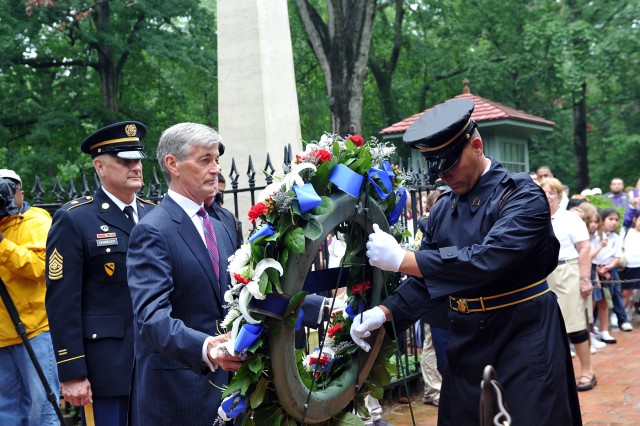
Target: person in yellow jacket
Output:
{"points": [[23, 236]]}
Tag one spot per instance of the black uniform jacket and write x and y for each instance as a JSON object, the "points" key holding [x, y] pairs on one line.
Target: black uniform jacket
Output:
{"points": [[495, 239], [88, 300]]}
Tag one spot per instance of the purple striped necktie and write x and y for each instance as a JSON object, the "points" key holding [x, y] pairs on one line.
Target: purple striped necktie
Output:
{"points": [[210, 239]]}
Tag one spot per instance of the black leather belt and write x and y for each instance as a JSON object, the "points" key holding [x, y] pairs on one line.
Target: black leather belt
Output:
{"points": [[489, 303], [562, 262]]}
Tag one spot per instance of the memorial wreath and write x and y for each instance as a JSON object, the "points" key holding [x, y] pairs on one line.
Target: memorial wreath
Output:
{"points": [[337, 188]]}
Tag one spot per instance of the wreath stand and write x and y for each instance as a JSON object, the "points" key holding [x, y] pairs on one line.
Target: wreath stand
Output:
{"points": [[493, 409], [294, 396]]}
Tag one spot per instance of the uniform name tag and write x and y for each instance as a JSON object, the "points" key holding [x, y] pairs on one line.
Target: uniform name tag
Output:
{"points": [[107, 242]]}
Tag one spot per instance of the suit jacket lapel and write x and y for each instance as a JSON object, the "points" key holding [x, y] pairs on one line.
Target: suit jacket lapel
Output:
{"points": [[193, 240]]}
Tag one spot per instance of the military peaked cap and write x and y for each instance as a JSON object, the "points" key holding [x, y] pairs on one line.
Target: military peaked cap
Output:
{"points": [[119, 139], [441, 133]]}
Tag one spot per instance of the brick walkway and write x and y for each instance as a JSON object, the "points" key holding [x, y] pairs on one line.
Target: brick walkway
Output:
{"points": [[615, 401]]}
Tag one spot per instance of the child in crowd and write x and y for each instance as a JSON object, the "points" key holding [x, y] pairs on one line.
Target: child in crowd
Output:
{"points": [[606, 262], [598, 242], [631, 273], [589, 213]]}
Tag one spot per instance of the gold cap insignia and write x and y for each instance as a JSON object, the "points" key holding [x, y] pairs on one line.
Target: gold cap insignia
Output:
{"points": [[110, 268], [55, 266], [130, 130]]}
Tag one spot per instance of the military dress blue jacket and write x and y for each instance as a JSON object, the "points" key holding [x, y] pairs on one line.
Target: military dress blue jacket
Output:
{"points": [[495, 239], [88, 300]]}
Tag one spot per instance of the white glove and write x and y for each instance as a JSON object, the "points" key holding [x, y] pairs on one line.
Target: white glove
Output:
{"points": [[363, 324], [383, 250]]}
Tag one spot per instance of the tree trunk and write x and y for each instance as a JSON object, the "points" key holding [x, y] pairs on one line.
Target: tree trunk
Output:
{"points": [[106, 66], [383, 69], [580, 148], [342, 48]]}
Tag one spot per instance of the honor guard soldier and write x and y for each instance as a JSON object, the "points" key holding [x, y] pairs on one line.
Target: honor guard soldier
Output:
{"points": [[487, 250], [88, 300]]}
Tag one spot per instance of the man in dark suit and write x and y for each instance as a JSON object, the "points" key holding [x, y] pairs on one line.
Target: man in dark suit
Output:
{"points": [[177, 269], [87, 299]]}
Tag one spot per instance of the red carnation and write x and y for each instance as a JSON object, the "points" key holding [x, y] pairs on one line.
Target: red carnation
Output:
{"points": [[334, 330], [322, 155], [356, 139], [256, 211], [357, 288], [240, 278]]}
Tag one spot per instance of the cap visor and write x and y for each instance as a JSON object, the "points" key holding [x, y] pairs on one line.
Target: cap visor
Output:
{"points": [[130, 155]]}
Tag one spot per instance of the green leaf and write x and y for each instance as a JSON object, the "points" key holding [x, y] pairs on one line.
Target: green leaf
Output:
{"points": [[347, 418], [240, 381], [257, 252], [257, 396], [320, 179], [274, 277], [262, 283], [294, 241], [277, 421], [313, 229], [255, 365], [324, 208]]}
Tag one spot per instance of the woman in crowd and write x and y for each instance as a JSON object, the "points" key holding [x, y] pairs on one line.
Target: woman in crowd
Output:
{"points": [[571, 280]]}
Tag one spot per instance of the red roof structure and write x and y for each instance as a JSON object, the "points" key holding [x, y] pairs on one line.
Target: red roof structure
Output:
{"points": [[485, 111]]}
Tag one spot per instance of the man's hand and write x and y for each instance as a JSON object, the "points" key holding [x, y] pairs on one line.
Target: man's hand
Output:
{"points": [[383, 250], [219, 354], [363, 324], [77, 391]]}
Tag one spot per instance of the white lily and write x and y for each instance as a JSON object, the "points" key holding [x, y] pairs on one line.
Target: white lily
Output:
{"points": [[293, 177], [270, 189], [243, 305], [263, 265], [252, 289], [234, 333]]}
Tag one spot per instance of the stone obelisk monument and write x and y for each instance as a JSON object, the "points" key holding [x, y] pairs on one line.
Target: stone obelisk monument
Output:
{"points": [[257, 100]]}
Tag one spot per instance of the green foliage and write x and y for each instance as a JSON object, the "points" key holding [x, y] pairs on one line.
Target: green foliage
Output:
{"points": [[531, 56], [52, 97]]}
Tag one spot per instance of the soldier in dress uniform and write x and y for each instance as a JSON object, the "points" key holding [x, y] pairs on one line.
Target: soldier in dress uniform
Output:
{"points": [[88, 299], [487, 250]]}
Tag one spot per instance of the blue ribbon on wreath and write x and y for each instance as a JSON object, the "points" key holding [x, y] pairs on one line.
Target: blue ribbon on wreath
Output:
{"points": [[394, 216], [265, 231], [307, 197], [352, 314], [247, 336], [346, 179], [234, 405], [385, 174]]}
